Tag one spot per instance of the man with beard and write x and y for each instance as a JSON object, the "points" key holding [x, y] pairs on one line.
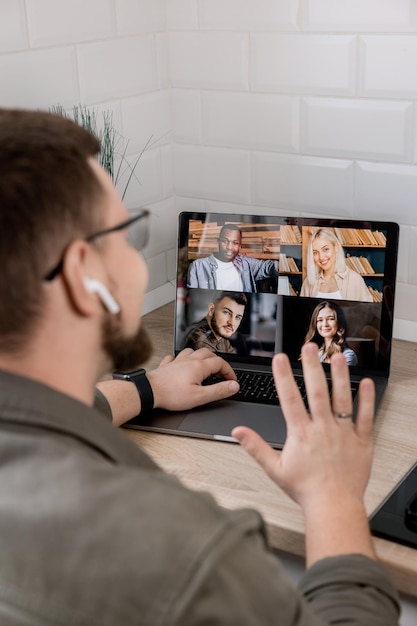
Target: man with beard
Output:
{"points": [[91, 530], [214, 331]]}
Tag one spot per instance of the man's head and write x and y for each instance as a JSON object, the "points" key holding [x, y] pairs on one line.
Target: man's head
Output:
{"points": [[230, 239], [225, 313], [53, 197]]}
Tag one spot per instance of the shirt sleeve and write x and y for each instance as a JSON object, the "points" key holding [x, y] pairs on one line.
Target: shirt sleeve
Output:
{"points": [[242, 582], [263, 268], [350, 356], [102, 405], [353, 587], [192, 276]]}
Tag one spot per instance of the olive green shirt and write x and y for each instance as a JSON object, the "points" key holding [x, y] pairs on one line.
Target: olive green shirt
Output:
{"points": [[92, 532]]}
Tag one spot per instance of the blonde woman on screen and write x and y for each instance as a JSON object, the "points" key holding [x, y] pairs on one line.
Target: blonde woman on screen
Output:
{"points": [[328, 276]]}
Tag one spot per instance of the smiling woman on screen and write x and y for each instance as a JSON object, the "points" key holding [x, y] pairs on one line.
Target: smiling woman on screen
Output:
{"points": [[327, 273], [328, 329]]}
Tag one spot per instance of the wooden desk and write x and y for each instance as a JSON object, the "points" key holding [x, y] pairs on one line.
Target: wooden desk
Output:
{"points": [[236, 481]]}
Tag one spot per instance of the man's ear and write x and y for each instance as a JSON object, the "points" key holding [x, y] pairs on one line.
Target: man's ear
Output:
{"points": [[210, 309], [79, 262]]}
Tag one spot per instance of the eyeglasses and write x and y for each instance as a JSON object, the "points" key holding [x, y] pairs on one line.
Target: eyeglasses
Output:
{"points": [[137, 235]]}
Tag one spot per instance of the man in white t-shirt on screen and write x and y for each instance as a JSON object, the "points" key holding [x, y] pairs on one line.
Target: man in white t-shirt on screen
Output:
{"points": [[227, 269]]}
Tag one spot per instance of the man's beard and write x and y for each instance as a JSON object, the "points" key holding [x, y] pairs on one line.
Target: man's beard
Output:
{"points": [[125, 353], [215, 328]]}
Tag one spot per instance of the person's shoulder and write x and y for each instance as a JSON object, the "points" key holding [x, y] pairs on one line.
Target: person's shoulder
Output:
{"points": [[306, 288], [350, 356], [199, 327], [203, 261], [242, 259], [194, 332]]}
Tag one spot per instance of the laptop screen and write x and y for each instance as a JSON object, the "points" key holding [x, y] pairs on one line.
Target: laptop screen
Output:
{"points": [[249, 286]]}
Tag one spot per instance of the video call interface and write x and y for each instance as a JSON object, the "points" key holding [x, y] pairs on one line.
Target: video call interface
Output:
{"points": [[267, 285]]}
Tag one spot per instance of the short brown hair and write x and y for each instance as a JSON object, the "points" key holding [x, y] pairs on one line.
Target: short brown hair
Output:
{"points": [[237, 296], [49, 195]]}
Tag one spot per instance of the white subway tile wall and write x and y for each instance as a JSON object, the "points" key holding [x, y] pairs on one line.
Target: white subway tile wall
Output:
{"points": [[182, 15], [251, 15], [147, 120], [303, 183], [162, 60], [69, 22], [121, 66], [304, 106], [387, 67], [209, 60], [212, 173], [140, 16], [366, 15], [147, 185], [157, 268], [168, 179], [303, 63], [377, 130], [386, 191], [265, 121], [187, 123], [39, 78], [163, 224], [13, 27], [412, 265]]}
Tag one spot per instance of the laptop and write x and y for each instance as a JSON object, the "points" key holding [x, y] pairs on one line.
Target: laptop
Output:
{"points": [[257, 270]]}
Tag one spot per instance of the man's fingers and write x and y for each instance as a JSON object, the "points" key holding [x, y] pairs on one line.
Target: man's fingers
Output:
{"points": [[257, 448], [366, 408], [212, 364], [215, 365], [315, 382], [201, 353], [216, 391], [288, 392], [341, 387], [205, 361], [184, 353]]}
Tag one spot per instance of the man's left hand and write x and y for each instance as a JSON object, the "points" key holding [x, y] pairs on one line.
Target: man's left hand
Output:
{"points": [[176, 383]]}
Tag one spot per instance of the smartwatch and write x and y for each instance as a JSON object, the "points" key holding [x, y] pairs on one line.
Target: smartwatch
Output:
{"points": [[138, 378]]}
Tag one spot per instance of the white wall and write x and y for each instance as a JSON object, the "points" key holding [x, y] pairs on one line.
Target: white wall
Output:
{"points": [[303, 106]]}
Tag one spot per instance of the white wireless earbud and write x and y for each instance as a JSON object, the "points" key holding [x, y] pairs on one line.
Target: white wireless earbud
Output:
{"points": [[95, 286]]}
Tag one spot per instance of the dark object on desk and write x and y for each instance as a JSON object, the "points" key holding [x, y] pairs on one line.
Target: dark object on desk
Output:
{"points": [[410, 514], [396, 519]]}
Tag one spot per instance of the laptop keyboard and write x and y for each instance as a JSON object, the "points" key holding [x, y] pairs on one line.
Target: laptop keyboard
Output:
{"points": [[260, 387], [256, 387]]}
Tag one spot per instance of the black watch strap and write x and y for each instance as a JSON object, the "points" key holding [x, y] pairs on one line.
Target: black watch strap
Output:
{"points": [[142, 384]]}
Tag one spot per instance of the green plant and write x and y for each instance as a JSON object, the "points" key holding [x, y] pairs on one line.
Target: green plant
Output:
{"points": [[113, 151]]}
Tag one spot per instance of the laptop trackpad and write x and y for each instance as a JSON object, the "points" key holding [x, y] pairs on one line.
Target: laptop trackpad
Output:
{"points": [[218, 420]]}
